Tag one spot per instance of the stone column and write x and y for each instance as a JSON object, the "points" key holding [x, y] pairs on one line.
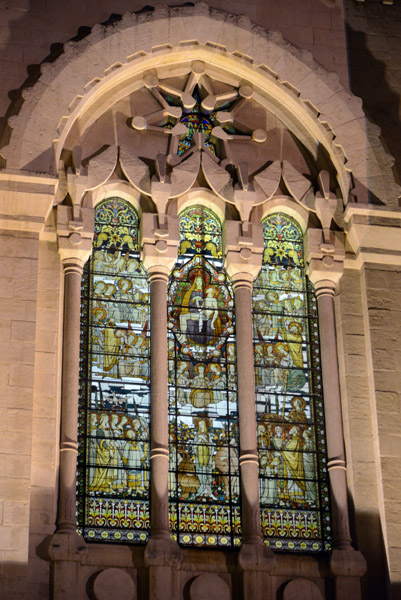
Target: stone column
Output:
{"points": [[325, 263], [160, 238], [243, 260], [67, 549]]}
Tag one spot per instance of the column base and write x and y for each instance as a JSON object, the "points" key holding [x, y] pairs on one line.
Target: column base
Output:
{"points": [[347, 566], [256, 562], [66, 551], [163, 556]]}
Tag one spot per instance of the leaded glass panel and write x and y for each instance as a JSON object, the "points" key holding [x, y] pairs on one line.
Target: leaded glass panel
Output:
{"points": [[203, 414], [293, 483], [113, 458]]}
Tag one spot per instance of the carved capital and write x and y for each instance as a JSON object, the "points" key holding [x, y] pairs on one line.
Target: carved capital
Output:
{"points": [[160, 238], [75, 233], [243, 244], [324, 257]]}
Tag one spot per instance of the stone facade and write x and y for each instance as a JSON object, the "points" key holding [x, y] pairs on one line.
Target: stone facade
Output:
{"points": [[72, 77]]}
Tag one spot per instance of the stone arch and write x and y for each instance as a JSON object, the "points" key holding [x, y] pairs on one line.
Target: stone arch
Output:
{"points": [[92, 73]]}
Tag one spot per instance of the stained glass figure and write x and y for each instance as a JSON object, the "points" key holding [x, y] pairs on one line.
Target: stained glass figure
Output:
{"points": [[203, 413], [113, 459], [293, 480]]}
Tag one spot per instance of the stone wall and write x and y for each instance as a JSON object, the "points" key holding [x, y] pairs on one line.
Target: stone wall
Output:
{"points": [[374, 41], [18, 301], [31, 29], [368, 314], [383, 287]]}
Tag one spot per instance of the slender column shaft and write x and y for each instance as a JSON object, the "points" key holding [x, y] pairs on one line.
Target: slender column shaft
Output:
{"points": [[332, 403], [247, 415], [159, 405], [69, 407]]}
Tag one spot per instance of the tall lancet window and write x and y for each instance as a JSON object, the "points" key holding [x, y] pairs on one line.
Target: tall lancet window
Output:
{"points": [[290, 423], [203, 414], [113, 459]]}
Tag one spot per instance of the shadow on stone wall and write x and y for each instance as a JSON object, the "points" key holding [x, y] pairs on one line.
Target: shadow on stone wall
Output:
{"points": [[367, 535], [369, 80]]}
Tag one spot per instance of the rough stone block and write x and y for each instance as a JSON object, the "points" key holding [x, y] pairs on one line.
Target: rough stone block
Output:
{"points": [[21, 375], [14, 489], [46, 384], [46, 341], [41, 475], [25, 289], [45, 362], [13, 395], [18, 467], [43, 429], [16, 513], [13, 537], [16, 419], [16, 442]]}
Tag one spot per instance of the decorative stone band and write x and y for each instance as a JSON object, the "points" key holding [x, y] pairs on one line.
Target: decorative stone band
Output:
{"points": [[336, 463], [242, 283], [73, 268], [324, 288], [157, 276], [159, 453], [69, 447], [250, 457]]}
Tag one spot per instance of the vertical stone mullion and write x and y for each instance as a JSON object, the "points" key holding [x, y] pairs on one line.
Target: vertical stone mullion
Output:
{"points": [[243, 260], [159, 405], [325, 267], [162, 554], [249, 462], [66, 520]]}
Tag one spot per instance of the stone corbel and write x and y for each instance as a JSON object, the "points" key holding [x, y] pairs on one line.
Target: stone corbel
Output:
{"points": [[243, 243], [324, 255], [325, 204], [160, 237], [75, 232]]}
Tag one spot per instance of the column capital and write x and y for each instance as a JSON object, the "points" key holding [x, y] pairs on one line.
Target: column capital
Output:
{"points": [[160, 237], [324, 259], [75, 228], [243, 250]]}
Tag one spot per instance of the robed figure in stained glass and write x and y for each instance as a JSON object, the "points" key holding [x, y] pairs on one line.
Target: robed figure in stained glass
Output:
{"points": [[203, 416], [291, 445], [113, 463]]}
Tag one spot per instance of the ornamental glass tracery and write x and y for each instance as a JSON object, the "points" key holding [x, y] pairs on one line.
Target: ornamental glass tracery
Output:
{"points": [[203, 415], [290, 423], [113, 458]]}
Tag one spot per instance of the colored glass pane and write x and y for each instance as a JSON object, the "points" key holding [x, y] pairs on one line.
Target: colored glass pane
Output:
{"points": [[203, 414], [113, 459], [293, 483]]}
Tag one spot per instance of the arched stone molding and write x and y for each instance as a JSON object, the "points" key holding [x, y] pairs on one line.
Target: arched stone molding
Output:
{"points": [[109, 63], [202, 197], [286, 205], [122, 189]]}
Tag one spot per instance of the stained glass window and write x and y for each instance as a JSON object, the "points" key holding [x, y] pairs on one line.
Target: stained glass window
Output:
{"points": [[113, 459], [293, 484], [203, 414]]}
